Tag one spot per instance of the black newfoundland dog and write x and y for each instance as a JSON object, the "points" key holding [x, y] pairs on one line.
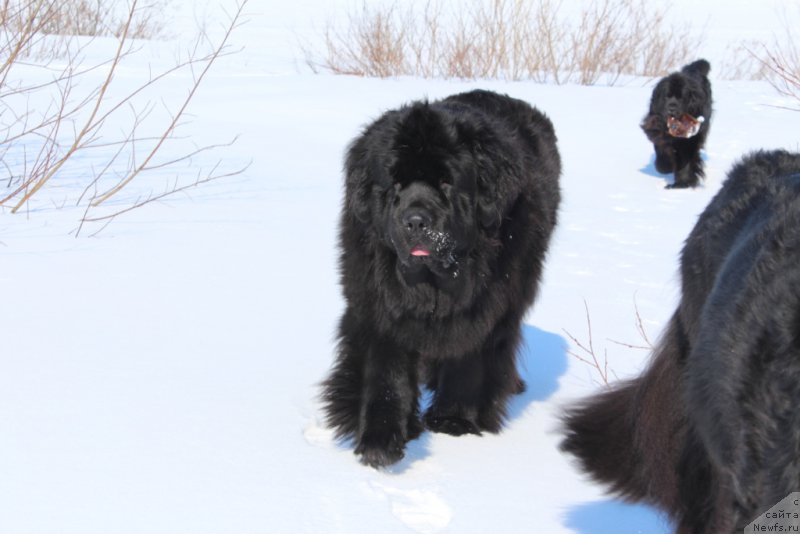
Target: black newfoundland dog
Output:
{"points": [[678, 121], [710, 432], [447, 214]]}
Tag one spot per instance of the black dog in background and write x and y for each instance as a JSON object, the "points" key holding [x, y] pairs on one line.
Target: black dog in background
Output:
{"points": [[674, 124], [447, 215], [710, 432]]}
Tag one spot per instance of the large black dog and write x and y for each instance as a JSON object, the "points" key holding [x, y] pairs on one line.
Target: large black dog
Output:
{"points": [[448, 211], [711, 431], [677, 102]]}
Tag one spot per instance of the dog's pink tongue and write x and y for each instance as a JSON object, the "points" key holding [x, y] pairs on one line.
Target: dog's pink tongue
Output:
{"points": [[419, 251]]}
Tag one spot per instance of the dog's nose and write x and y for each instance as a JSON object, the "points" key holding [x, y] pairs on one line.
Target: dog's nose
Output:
{"points": [[672, 107], [416, 219]]}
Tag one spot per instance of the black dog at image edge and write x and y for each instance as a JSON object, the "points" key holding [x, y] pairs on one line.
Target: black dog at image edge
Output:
{"points": [[448, 210], [710, 432], [677, 123]]}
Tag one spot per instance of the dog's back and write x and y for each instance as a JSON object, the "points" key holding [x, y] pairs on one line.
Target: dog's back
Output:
{"points": [[701, 67], [518, 115], [710, 431], [743, 372]]}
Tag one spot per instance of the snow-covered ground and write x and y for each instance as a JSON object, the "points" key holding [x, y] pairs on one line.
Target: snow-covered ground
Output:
{"points": [[161, 377]]}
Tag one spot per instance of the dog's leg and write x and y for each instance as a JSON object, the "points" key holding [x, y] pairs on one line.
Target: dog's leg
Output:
{"points": [[372, 394], [689, 175], [665, 158], [688, 164], [470, 393], [456, 385], [341, 391], [389, 407]]}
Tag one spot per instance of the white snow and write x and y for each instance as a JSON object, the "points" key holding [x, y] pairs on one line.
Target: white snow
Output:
{"points": [[161, 377]]}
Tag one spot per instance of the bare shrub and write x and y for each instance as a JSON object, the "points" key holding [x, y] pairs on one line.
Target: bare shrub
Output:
{"points": [[741, 63], [83, 17], [780, 62], [587, 353], [372, 45], [776, 60], [508, 39], [46, 144]]}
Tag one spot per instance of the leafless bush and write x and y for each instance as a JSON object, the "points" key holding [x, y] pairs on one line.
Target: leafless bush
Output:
{"points": [[588, 355], [41, 142], [741, 63], [776, 60], [374, 45], [83, 17], [780, 62], [509, 39], [648, 345]]}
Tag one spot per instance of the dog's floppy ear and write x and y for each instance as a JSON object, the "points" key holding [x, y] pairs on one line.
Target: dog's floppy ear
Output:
{"points": [[652, 123], [364, 170], [486, 167], [654, 127], [357, 182], [489, 215], [367, 165]]}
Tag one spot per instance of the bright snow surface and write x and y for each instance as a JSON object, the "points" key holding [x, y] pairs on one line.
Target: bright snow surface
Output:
{"points": [[161, 376]]}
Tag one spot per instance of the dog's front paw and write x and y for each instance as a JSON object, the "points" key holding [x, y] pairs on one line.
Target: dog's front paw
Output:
{"points": [[451, 424], [380, 448]]}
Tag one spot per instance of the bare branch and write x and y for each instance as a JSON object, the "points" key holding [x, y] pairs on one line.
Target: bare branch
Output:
{"points": [[640, 329], [169, 192], [171, 127], [590, 358], [72, 125], [509, 39], [90, 122]]}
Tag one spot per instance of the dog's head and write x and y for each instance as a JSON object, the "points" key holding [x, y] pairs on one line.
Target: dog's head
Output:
{"points": [[680, 94], [416, 179]]}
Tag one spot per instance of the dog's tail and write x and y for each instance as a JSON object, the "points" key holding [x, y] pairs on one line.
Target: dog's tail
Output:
{"points": [[700, 67], [599, 432], [631, 437]]}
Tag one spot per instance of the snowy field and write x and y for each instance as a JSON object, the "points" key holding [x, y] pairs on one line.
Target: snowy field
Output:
{"points": [[161, 376]]}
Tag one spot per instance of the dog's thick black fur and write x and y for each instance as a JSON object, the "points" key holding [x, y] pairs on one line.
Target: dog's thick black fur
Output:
{"points": [[448, 211], [687, 91], [711, 431]]}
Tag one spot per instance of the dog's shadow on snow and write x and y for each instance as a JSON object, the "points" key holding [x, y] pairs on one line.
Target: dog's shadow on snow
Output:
{"points": [[542, 361], [650, 169], [668, 179], [612, 517]]}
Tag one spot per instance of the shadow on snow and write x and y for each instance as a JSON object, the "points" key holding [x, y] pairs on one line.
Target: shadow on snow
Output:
{"points": [[542, 360], [650, 169], [613, 517]]}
